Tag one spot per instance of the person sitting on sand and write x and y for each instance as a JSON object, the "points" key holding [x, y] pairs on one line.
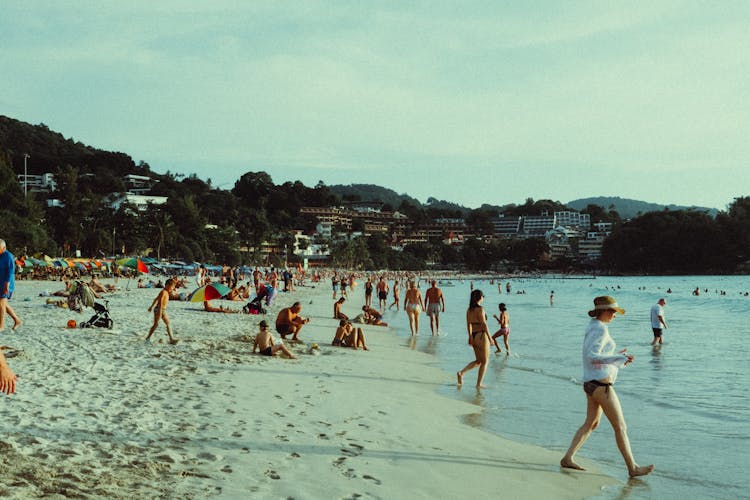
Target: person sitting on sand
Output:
{"points": [[289, 321], [601, 362], [264, 343], [348, 336], [373, 316], [212, 309], [337, 314], [159, 305]]}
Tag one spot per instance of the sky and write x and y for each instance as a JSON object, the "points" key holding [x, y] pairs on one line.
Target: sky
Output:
{"points": [[473, 101]]}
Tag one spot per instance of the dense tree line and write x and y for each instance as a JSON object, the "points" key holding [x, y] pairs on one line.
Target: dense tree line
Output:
{"points": [[202, 223], [681, 242]]}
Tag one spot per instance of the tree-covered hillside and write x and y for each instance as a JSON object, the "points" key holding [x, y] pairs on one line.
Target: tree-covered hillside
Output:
{"points": [[628, 208]]}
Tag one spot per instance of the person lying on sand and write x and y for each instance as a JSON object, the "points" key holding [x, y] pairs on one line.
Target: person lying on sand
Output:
{"points": [[347, 336], [265, 344], [221, 309]]}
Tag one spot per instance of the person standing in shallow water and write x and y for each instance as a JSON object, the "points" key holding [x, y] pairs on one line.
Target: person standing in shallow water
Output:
{"points": [[600, 366], [479, 338]]}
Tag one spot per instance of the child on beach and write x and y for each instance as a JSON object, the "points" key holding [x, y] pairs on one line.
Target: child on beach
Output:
{"points": [[504, 330], [159, 305], [264, 343]]}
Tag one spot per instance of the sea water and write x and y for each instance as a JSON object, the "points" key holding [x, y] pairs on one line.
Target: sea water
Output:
{"points": [[686, 403]]}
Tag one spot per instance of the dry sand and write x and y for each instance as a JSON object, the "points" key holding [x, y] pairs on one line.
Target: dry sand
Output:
{"points": [[101, 413]]}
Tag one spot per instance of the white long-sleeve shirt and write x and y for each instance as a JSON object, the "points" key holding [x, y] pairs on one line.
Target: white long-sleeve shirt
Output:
{"points": [[600, 361]]}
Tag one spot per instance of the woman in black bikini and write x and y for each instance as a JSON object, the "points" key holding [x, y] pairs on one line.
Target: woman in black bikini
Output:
{"points": [[601, 362], [479, 337]]}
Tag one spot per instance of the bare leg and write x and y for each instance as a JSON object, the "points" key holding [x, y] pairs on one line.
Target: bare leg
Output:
{"points": [[410, 315], [153, 327], [281, 347], [610, 403], [165, 318], [3, 306], [432, 324], [494, 342], [416, 322], [361, 339], [10, 312], [483, 357], [437, 325], [505, 341], [593, 415]]}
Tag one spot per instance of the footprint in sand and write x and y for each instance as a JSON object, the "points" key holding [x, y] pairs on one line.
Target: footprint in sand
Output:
{"points": [[272, 474], [374, 480]]}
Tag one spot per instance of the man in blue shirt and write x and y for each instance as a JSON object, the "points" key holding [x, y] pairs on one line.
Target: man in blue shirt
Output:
{"points": [[7, 285]]}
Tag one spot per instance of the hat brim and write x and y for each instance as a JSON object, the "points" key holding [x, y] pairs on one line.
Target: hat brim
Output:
{"points": [[618, 310]]}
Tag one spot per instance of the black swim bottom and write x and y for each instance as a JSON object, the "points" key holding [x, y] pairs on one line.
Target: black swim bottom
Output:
{"points": [[268, 351], [657, 332], [590, 386]]}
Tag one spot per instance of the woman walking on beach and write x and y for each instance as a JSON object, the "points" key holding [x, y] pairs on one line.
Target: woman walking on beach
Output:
{"points": [[600, 367], [413, 306], [479, 337]]}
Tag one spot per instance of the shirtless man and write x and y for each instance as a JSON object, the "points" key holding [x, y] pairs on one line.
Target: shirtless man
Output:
{"points": [[264, 343], [435, 304], [396, 297], [337, 314], [382, 288], [413, 306], [289, 321]]}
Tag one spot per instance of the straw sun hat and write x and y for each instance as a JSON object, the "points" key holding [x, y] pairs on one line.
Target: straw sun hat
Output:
{"points": [[605, 302]]}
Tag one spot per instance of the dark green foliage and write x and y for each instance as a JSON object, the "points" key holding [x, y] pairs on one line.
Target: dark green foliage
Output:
{"points": [[202, 223], [681, 242]]}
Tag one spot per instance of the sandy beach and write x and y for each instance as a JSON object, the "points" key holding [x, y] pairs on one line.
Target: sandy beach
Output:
{"points": [[102, 413]]}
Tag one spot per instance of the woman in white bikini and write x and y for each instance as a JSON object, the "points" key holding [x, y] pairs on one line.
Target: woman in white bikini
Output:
{"points": [[413, 306]]}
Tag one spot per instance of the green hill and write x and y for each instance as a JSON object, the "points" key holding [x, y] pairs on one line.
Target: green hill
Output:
{"points": [[628, 208]]}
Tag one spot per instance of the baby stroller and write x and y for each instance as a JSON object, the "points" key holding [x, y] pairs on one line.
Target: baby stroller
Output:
{"points": [[254, 306], [101, 317]]}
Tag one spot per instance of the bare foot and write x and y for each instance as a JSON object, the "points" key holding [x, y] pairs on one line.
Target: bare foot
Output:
{"points": [[498, 351], [480, 386], [569, 464], [173, 341], [18, 323], [642, 470], [460, 378]]}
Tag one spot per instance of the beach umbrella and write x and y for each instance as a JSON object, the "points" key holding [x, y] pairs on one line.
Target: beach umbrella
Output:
{"points": [[60, 263], [209, 292], [133, 263]]}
